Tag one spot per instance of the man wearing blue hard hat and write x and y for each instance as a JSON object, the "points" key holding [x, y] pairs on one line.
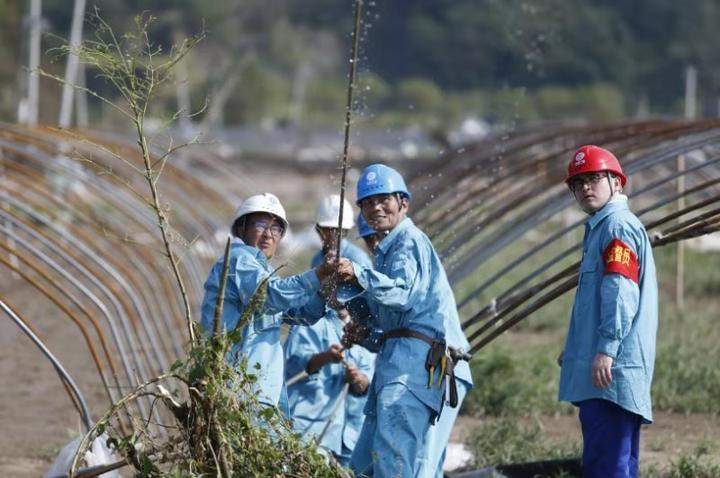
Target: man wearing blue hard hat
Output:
{"points": [[411, 302]]}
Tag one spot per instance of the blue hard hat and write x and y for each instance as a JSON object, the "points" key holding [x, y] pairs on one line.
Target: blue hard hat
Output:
{"points": [[364, 228], [380, 179]]}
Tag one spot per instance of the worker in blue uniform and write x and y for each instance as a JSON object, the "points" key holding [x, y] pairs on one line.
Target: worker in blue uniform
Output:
{"points": [[609, 354], [410, 300], [432, 457], [258, 227], [320, 405]]}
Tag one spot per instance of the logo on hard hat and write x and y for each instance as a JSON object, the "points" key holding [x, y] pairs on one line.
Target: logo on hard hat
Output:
{"points": [[371, 177], [579, 158]]}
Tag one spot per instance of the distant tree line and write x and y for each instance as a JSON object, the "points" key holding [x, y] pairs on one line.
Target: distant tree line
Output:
{"points": [[428, 60]]}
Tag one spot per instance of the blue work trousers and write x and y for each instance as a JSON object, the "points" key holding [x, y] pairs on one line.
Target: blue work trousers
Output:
{"points": [[611, 440], [432, 458], [392, 436]]}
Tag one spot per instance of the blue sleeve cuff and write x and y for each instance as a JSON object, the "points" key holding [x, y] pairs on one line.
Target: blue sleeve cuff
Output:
{"points": [[358, 271], [311, 279], [608, 346]]}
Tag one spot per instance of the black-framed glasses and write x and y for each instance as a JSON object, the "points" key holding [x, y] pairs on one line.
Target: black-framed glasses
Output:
{"points": [[372, 201], [276, 230], [593, 179]]}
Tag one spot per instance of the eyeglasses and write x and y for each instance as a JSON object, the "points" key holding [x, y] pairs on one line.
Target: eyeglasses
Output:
{"points": [[590, 179], [276, 230], [372, 201]]}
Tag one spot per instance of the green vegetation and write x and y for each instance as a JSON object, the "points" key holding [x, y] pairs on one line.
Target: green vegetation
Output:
{"points": [[218, 427], [506, 440], [508, 61], [689, 465], [515, 383]]}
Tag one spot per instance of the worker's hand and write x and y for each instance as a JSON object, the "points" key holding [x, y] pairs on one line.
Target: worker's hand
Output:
{"points": [[358, 381], [354, 333], [602, 370], [335, 353], [560, 358], [344, 269], [343, 315], [327, 267]]}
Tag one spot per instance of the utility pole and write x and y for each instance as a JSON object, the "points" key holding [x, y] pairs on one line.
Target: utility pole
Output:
{"points": [[33, 98], [182, 90], [72, 65], [690, 113], [81, 104], [680, 273]]}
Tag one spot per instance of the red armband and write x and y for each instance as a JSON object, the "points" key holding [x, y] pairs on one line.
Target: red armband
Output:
{"points": [[620, 259]]}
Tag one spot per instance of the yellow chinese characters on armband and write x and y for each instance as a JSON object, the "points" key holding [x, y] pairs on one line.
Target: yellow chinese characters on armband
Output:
{"points": [[621, 259]]}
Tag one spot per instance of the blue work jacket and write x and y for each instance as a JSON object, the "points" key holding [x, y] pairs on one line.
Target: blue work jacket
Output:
{"points": [[294, 300], [408, 289], [615, 313], [311, 401]]}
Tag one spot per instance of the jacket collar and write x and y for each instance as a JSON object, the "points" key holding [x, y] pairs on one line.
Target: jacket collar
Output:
{"points": [[388, 240], [259, 255], [618, 203]]}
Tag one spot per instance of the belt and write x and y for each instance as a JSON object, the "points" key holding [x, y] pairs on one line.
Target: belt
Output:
{"points": [[407, 333], [437, 355]]}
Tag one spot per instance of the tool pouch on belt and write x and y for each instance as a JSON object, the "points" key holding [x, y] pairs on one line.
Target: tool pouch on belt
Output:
{"points": [[435, 358], [438, 356]]}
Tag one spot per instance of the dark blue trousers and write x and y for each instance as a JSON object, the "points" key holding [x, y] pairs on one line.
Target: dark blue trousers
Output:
{"points": [[611, 440]]}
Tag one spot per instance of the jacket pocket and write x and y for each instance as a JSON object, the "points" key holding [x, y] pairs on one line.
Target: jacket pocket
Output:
{"points": [[587, 285], [266, 322]]}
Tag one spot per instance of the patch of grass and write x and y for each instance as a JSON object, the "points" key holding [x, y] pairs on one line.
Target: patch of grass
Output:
{"points": [[506, 440], [697, 464], [702, 272], [515, 383], [686, 377]]}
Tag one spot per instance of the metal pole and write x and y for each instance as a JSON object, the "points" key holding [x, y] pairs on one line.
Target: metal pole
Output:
{"points": [[7, 226], [72, 65], [85, 413]]}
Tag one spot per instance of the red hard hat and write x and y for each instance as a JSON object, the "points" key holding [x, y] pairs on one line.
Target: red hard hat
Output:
{"points": [[594, 159]]}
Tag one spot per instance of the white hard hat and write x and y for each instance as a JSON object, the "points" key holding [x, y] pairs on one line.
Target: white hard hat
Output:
{"points": [[328, 212], [265, 202]]}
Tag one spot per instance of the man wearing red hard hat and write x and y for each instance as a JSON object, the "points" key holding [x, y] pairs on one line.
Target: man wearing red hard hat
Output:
{"points": [[607, 363]]}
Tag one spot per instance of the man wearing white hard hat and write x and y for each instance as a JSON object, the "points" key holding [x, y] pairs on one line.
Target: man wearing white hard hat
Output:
{"points": [[258, 226], [317, 350]]}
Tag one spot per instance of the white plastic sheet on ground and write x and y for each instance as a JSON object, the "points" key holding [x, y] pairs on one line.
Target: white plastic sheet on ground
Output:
{"points": [[99, 454]]}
